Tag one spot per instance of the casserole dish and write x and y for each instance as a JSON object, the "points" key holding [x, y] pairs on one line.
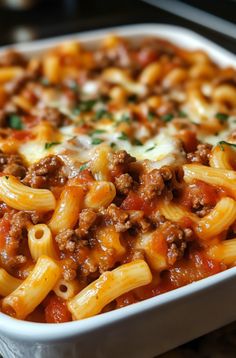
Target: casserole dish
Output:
{"points": [[169, 319]]}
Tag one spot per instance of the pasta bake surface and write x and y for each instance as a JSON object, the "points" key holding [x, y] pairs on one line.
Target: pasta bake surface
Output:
{"points": [[117, 175]]}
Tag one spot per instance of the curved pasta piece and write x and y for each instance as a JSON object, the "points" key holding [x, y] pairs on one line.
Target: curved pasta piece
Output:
{"points": [[175, 77], [22, 197], [199, 106], [107, 287], [52, 68], [8, 73], [218, 220], [155, 247], [225, 93], [66, 289], [67, 210], [8, 283], [99, 163], [224, 252], [120, 77], [222, 156], [21, 302], [220, 177], [109, 239], [40, 241], [100, 194], [175, 212], [151, 74]]}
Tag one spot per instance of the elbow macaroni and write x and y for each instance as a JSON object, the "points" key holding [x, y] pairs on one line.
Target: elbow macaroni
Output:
{"points": [[109, 286], [33, 289]]}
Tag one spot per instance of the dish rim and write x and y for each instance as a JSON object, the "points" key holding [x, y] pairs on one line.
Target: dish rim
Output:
{"points": [[42, 332]]}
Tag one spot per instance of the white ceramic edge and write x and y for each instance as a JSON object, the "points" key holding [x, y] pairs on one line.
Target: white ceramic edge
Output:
{"points": [[42, 332]]}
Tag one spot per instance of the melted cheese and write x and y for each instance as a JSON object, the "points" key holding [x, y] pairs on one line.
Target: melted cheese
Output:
{"points": [[222, 135], [163, 148]]}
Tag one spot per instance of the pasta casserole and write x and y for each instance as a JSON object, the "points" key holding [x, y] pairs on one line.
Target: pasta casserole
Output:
{"points": [[117, 175]]}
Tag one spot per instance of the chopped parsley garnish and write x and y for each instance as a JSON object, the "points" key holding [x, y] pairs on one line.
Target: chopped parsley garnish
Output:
{"points": [[96, 141], [137, 142], [123, 136], [112, 145], [222, 143], [167, 117], [50, 144], [15, 122], [222, 116], [125, 118], [101, 113], [182, 114], [149, 149], [150, 116], [83, 167], [97, 131], [84, 106]]}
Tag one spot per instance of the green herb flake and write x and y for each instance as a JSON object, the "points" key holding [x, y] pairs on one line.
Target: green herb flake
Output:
{"points": [[15, 122], [182, 114], [101, 113], [96, 141], [7, 177], [50, 144], [123, 136], [222, 116], [112, 145], [83, 167], [167, 117], [97, 131], [125, 118], [137, 142], [151, 148], [222, 143], [150, 116], [84, 106]]}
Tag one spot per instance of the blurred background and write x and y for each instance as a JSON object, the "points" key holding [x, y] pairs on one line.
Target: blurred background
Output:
{"points": [[25, 20]]}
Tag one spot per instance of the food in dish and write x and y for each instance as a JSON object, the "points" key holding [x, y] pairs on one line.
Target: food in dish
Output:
{"points": [[117, 175]]}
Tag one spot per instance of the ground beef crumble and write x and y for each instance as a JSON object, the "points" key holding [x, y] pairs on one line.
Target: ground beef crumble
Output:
{"points": [[87, 218], [70, 240], [176, 239], [201, 155], [124, 220], [49, 171], [153, 183], [124, 183], [12, 58], [12, 256], [18, 83], [12, 164], [54, 117], [119, 161], [176, 236]]}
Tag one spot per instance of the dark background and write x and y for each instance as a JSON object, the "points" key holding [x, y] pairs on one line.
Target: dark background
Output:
{"points": [[56, 17]]}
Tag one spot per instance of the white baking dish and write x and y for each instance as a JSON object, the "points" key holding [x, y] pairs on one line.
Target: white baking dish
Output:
{"points": [[148, 328]]}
